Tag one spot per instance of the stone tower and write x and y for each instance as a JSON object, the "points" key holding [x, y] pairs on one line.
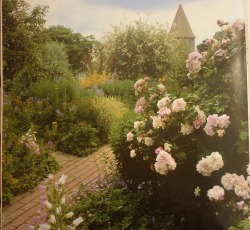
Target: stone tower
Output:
{"points": [[182, 30]]}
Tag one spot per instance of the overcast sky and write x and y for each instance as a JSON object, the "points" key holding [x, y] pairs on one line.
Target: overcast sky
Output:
{"points": [[95, 16]]}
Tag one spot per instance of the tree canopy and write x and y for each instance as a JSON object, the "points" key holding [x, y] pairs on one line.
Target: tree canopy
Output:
{"points": [[140, 48]]}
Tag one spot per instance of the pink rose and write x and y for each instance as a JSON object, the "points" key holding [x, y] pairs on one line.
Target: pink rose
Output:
{"points": [[178, 105]]}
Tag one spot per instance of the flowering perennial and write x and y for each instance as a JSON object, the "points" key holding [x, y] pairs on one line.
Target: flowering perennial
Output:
{"points": [[164, 163], [210, 164]]}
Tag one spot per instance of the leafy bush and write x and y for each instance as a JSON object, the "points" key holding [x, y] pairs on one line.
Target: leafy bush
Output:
{"points": [[79, 139], [25, 163], [107, 110], [175, 131], [138, 48], [122, 89], [56, 92], [115, 206]]}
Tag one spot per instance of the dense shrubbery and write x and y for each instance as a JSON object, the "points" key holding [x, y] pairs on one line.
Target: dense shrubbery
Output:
{"points": [[136, 49], [25, 163]]}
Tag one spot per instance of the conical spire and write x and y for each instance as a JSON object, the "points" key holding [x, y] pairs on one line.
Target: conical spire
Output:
{"points": [[181, 25]]}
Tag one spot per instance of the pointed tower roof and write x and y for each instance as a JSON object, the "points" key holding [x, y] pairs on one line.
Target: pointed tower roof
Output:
{"points": [[181, 25]]}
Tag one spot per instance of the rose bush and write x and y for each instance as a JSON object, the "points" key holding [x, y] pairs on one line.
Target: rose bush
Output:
{"points": [[171, 138]]}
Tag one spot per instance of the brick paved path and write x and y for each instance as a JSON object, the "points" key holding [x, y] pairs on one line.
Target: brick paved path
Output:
{"points": [[18, 215]]}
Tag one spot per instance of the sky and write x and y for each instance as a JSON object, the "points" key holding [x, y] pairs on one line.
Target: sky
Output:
{"points": [[96, 16]]}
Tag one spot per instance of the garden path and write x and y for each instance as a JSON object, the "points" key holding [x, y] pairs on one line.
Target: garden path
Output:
{"points": [[19, 214]]}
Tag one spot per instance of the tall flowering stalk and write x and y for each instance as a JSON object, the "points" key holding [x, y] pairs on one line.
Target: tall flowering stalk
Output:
{"points": [[58, 215]]}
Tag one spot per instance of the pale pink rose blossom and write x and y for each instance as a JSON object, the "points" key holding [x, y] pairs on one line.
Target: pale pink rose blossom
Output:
{"points": [[140, 85], [210, 164], [223, 121], [200, 119], [164, 163], [130, 136], [140, 106], [178, 105], [193, 62], [158, 150], [217, 193], [208, 42], [242, 190], [228, 181], [240, 205], [163, 102], [164, 111]]}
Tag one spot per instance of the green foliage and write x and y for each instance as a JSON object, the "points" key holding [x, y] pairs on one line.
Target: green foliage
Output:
{"points": [[79, 49], [115, 206], [22, 36], [53, 62], [242, 225], [107, 110], [80, 140], [22, 168], [122, 89], [56, 92], [139, 48]]}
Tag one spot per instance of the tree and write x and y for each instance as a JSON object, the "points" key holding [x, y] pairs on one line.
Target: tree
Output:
{"points": [[52, 61], [22, 34], [79, 49], [141, 49]]}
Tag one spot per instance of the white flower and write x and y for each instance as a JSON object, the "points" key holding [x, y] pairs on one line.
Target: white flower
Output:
{"points": [[52, 219], [58, 210], [216, 193], [138, 125], [186, 129], [62, 179], [48, 204], [149, 141], [161, 87], [132, 153], [209, 164], [164, 163], [63, 200], [163, 102], [157, 122], [197, 191], [77, 221], [44, 227], [178, 105], [130, 136], [69, 215]]}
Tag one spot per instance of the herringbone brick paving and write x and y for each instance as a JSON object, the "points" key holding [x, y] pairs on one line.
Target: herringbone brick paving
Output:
{"points": [[19, 214]]}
